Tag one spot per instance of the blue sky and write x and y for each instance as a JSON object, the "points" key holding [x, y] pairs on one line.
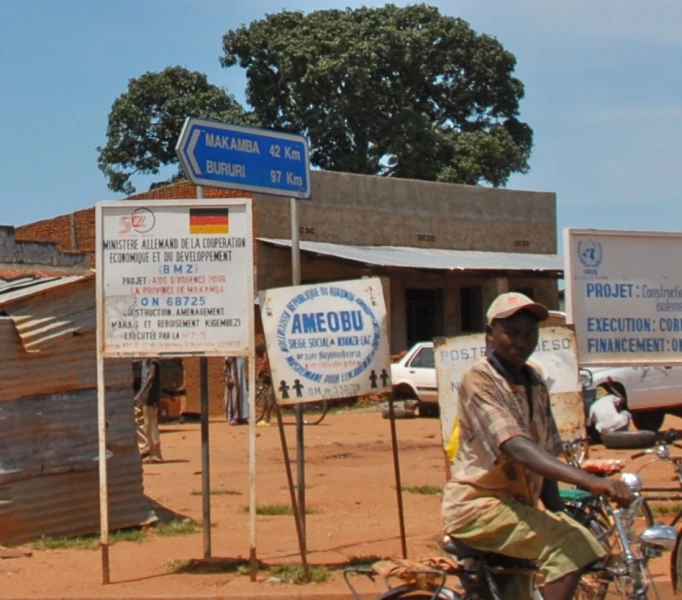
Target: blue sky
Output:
{"points": [[603, 94]]}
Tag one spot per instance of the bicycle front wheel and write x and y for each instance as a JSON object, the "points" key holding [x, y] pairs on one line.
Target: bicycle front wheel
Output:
{"points": [[313, 412], [408, 592], [261, 403]]}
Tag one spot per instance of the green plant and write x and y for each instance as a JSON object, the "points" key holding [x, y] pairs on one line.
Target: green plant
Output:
{"points": [[177, 527], [294, 573], [275, 510], [424, 490], [88, 542], [219, 493]]}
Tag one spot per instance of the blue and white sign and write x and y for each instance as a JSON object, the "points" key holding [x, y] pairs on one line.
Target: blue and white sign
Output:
{"points": [[327, 340], [221, 155], [624, 296]]}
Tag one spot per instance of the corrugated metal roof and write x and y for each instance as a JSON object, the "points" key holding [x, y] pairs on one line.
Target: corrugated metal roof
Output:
{"points": [[49, 478], [71, 365], [13, 289], [55, 314], [428, 258]]}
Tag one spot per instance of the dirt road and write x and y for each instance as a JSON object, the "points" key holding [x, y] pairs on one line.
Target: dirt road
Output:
{"points": [[350, 492]]}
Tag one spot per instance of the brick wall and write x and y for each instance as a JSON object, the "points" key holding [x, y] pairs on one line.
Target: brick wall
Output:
{"points": [[71, 233]]}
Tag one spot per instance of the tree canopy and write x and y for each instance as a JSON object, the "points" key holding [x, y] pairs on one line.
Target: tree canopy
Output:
{"points": [[145, 122], [403, 92]]}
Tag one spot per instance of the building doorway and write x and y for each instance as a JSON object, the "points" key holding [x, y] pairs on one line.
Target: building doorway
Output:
{"points": [[424, 314]]}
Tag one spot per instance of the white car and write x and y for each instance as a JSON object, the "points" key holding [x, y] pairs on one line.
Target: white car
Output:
{"points": [[650, 392], [414, 377]]}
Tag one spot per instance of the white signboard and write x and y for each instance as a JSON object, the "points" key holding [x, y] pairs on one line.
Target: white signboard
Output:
{"points": [[624, 296], [327, 340], [175, 277], [555, 359]]}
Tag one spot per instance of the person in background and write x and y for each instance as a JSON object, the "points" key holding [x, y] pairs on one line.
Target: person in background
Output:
{"points": [[604, 413], [147, 402], [235, 390], [243, 382], [264, 383]]}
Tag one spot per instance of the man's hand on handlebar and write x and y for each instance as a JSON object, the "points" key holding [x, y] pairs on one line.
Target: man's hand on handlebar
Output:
{"points": [[613, 489]]}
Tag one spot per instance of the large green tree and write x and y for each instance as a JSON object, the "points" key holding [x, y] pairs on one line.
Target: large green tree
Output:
{"points": [[404, 92], [145, 122]]}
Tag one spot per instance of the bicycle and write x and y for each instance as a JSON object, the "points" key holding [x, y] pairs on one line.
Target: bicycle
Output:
{"points": [[662, 452], [313, 412], [480, 573]]}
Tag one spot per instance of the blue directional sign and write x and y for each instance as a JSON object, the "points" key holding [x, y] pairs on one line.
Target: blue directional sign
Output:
{"points": [[221, 155]]}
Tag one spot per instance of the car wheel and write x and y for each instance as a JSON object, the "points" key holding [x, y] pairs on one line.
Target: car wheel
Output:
{"points": [[629, 440], [649, 420], [404, 392]]}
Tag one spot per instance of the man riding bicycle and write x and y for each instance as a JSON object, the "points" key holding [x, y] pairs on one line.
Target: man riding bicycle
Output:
{"points": [[506, 461]]}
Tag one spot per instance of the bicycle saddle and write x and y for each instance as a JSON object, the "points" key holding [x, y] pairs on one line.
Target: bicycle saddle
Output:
{"points": [[461, 550]]}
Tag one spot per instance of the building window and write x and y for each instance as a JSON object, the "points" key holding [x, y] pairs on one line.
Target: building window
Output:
{"points": [[471, 309], [424, 314]]}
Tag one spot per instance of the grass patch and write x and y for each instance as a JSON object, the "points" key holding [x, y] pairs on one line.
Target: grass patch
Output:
{"points": [[424, 490], [276, 510], [65, 543], [177, 527], [219, 493], [665, 508], [294, 573], [88, 542]]}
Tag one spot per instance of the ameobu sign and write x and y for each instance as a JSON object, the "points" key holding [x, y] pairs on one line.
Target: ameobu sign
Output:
{"points": [[327, 340], [175, 277]]}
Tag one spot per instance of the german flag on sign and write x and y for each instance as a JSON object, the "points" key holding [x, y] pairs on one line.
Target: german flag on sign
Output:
{"points": [[209, 220]]}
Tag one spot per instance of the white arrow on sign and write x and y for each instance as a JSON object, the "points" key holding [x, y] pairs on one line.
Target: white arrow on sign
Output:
{"points": [[190, 150]]}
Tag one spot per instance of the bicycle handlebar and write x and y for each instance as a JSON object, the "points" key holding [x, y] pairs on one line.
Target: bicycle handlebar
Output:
{"points": [[654, 450]]}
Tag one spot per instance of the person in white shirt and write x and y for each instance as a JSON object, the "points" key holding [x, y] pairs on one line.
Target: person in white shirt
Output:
{"points": [[604, 413]]}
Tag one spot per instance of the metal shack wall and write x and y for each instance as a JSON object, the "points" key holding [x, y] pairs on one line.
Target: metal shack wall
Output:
{"points": [[49, 482]]}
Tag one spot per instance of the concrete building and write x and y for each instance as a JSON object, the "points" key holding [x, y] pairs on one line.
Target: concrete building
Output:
{"points": [[443, 251]]}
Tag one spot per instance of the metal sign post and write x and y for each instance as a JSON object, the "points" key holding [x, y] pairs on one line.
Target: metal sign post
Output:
{"points": [[102, 428], [233, 157], [300, 438], [205, 445], [174, 278]]}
